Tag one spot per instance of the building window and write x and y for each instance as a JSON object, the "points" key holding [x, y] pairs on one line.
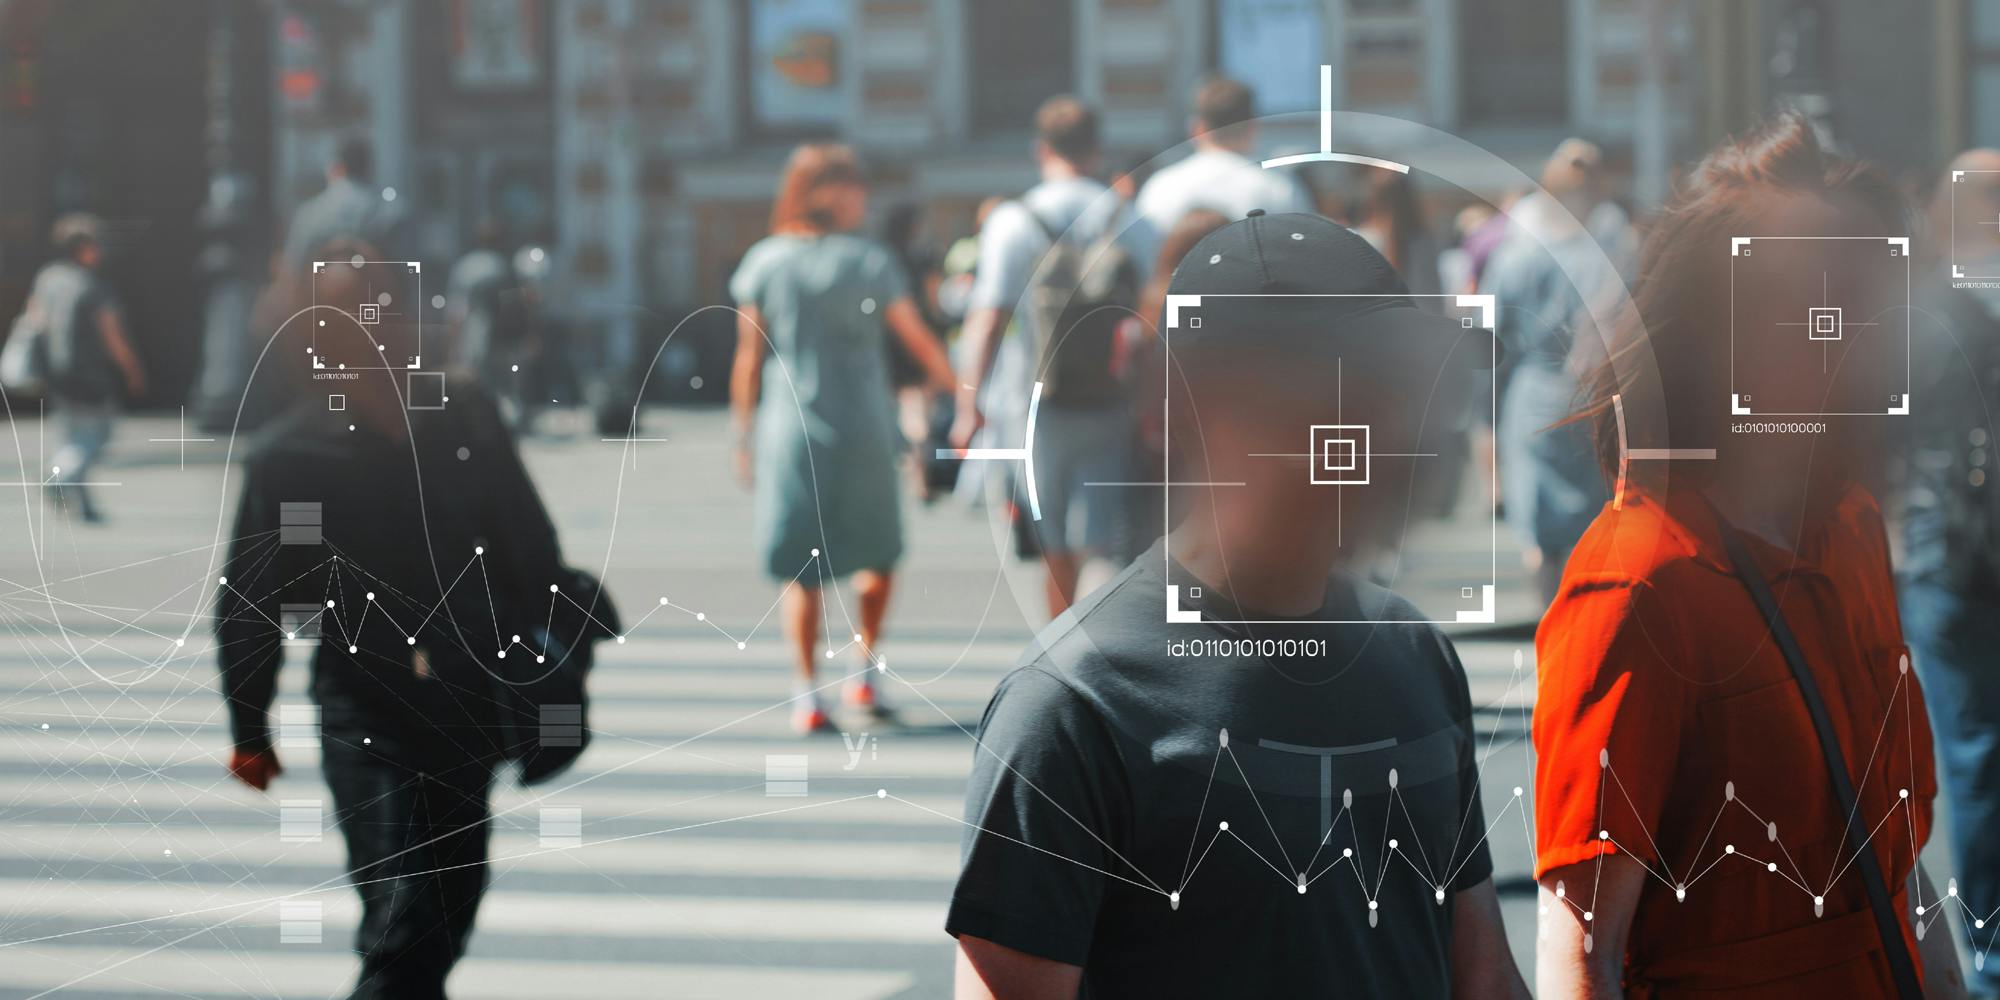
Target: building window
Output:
{"points": [[1514, 65], [1274, 46], [1982, 65], [793, 64], [1023, 53]]}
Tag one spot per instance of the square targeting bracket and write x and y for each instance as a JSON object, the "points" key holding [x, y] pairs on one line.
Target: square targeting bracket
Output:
{"points": [[1823, 323], [1340, 454]]}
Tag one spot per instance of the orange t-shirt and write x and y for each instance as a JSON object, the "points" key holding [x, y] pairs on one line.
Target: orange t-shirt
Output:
{"points": [[1667, 718]]}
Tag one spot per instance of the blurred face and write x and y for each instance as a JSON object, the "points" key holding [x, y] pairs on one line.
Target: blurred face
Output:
{"points": [[849, 205]]}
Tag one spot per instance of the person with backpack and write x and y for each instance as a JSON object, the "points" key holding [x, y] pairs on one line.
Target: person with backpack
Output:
{"points": [[1063, 260], [76, 345]]}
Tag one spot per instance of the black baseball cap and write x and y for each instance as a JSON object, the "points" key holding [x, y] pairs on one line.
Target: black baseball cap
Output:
{"points": [[1305, 283]]}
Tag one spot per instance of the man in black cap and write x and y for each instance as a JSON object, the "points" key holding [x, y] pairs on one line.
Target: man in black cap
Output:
{"points": [[1240, 769]]}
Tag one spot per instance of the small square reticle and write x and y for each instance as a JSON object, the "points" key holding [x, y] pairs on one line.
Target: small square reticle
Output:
{"points": [[1339, 454], [1823, 323]]}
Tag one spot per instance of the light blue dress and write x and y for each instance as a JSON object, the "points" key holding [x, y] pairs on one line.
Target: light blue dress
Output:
{"points": [[826, 441]]}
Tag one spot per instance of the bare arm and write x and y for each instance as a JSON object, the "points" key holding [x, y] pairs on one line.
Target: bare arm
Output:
{"points": [[988, 971], [982, 331], [908, 326], [1481, 964], [745, 380], [1580, 939], [111, 327], [1937, 952]]}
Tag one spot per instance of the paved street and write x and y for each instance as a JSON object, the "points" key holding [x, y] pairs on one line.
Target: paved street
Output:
{"points": [[130, 865]]}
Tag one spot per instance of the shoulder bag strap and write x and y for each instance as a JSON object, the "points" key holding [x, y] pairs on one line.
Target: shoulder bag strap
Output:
{"points": [[1902, 967]]}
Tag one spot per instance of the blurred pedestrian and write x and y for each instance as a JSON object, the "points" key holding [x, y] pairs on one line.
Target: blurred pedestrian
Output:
{"points": [[816, 436], [1733, 764], [1546, 278], [349, 207], [1063, 260], [483, 299], [352, 523], [87, 357], [1219, 175], [925, 417], [1388, 216], [1950, 565], [1094, 864]]}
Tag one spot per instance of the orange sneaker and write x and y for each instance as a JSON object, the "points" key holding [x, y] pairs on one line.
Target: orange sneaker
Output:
{"points": [[809, 719]]}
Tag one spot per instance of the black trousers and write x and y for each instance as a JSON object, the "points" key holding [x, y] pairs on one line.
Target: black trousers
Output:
{"points": [[416, 831]]}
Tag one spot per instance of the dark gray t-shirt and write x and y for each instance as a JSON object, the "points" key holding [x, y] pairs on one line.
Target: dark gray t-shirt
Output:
{"points": [[1102, 780]]}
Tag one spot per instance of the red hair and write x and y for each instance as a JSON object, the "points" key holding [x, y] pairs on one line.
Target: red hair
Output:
{"points": [[814, 171]]}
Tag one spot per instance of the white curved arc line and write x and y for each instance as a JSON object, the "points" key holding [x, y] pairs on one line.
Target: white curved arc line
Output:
{"points": [[1327, 157], [1028, 450]]}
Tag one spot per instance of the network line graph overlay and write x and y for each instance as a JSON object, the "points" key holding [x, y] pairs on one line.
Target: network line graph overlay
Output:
{"points": [[1819, 326], [1346, 454]]}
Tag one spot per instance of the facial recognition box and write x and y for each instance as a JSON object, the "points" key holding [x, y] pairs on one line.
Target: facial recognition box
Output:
{"points": [[1452, 574], [367, 314], [1968, 230], [1819, 326]]}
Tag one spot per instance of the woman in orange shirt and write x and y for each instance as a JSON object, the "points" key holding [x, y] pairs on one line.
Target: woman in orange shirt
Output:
{"points": [[1690, 836]]}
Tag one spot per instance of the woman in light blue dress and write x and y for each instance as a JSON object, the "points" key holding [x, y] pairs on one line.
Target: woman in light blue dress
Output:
{"points": [[816, 435]]}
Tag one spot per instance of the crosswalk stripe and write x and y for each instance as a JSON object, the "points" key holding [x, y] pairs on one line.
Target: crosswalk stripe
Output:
{"points": [[217, 972], [666, 854], [654, 916]]}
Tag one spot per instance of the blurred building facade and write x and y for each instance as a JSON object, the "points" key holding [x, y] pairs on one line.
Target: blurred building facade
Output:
{"points": [[641, 139]]}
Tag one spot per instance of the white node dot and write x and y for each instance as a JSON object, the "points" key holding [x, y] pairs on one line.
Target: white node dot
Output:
{"points": [[1215, 258], [694, 382], [464, 453], [1302, 889], [535, 255], [180, 642], [410, 640], [384, 299], [517, 638], [365, 740], [663, 602], [1604, 834], [503, 654], [1392, 843], [1517, 791], [1771, 866], [479, 550], [329, 604], [1920, 911], [1347, 852], [350, 427], [437, 302], [45, 727], [1372, 904], [371, 595], [1589, 916], [1174, 898], [1680, 892], [867, 307], [353, 649], [621, 640], [1979, 924], [701, 616], [322, 323], [389, 194], [223, 580], [815, 552], [541, 659], [1561, 890], [514, 368], [1224, 825], [291, 635], [357, 260], [740, 645], [1438, 895], [1903, 794], [552, 588], [881, 793], [857, 637], [1729, 849], [829, 654]]}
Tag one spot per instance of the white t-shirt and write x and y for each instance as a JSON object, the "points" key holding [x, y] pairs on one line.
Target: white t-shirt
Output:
{"points": [[1220, 181]]}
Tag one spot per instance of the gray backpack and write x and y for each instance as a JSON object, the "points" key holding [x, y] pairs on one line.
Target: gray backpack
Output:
{"points": [[1079, 296]]}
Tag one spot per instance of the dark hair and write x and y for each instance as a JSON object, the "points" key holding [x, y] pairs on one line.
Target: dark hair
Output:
{"points": [[1221, 102], [813, 169], [1390, 201], [355, 157], [1657, 359], [1068, 127], [75, 231]]}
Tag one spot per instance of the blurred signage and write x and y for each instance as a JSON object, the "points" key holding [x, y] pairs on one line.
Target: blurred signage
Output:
{"points": [[494, 44], [301, 66], [795, 62], [1275, 46]]}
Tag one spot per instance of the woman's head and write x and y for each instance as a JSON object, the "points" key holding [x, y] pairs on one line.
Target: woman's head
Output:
{"points": [[1672, 352], [822, 192]]}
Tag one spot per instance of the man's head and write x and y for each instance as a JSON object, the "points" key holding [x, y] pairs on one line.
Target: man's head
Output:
{"points": [[1225, 113], [1067, 133], [353, 159], [79, 237], [1574, 176], [1307, 378]]}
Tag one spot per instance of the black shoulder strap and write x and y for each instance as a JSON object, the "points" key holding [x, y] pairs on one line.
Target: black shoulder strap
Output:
{"points": [[1902, 967], [1048, 232]]}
